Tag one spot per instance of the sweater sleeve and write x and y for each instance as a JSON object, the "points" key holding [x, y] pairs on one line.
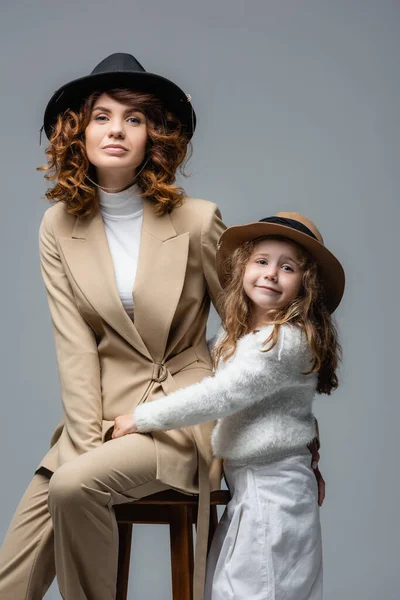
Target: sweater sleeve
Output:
{"points": [[250, 377]]}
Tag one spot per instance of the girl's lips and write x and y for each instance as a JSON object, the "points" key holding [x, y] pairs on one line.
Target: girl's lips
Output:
{"points": [[265, 287]]}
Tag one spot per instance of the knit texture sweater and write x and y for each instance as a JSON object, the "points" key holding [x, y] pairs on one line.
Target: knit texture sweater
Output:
{"points": [[262, 400]]}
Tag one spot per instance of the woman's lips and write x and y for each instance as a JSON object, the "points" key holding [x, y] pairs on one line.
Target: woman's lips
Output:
{"points": [[115, 149]]}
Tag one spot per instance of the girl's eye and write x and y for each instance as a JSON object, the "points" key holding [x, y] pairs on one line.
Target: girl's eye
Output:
{"points": [[261, 261], [100, 118], [134, 120], [287, 268]]}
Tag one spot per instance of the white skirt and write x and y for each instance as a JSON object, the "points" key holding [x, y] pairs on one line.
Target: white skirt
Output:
{"points": [[267, 545]]}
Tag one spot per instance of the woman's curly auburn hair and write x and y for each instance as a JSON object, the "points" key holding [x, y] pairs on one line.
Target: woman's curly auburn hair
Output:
{"points": [[307, 311], [68, 164]]}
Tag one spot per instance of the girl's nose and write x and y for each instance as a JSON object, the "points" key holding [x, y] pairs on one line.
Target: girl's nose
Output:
{"points": [[271, 274]]}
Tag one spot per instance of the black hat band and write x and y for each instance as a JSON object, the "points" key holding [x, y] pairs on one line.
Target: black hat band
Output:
{"points": [[292, 223]]}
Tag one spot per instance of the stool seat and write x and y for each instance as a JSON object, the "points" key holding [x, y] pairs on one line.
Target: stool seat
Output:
{"points": [[179, 511]]}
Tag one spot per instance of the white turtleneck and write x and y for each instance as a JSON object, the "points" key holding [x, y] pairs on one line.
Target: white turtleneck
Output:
{"points": [[122, 215]]}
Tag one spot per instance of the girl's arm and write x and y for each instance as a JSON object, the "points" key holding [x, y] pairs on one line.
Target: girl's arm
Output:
{"points": [[249, 378], [76, 349]]}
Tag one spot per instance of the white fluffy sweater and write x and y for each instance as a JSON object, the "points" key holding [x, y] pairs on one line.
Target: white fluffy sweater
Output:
{"points": [[261, 399]]}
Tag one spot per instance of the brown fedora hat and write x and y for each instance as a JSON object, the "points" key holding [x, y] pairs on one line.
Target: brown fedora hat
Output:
{"points": [[293, 226]]}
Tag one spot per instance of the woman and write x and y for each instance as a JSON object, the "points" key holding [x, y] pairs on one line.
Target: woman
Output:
{"points": [[118, 223]]}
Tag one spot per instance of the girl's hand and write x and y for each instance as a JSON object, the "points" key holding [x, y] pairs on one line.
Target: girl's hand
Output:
{"points": [[313, 448], [321, 486], [123, 425]]}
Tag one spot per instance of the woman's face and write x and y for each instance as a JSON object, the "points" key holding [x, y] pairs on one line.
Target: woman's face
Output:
{"points": [[115, 138]]}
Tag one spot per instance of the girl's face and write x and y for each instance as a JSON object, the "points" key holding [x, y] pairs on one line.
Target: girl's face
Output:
{"points": [[115, 138], [273, 276]]}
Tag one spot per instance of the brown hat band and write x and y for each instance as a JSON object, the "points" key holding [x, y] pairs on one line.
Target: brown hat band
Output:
{"points": [[289, 223]]}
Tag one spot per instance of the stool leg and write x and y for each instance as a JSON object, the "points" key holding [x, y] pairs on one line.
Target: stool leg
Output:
{"points": [[181, 538], [124, 555], [213, 525]]}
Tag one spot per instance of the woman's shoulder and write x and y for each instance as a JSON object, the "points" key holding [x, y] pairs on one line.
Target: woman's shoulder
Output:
{"points": [[200, 203], [56, 219], [197, 208], [197, 215]]}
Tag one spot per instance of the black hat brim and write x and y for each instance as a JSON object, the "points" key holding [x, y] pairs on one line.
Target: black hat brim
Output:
{"points": [[73, 94]]}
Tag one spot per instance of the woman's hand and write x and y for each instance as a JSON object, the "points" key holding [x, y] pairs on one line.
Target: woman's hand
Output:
{"points": [[123, 425]]}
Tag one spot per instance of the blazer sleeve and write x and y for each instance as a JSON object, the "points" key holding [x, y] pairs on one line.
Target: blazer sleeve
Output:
{"points": [[76, 349], [212, 230], [249, 378]]}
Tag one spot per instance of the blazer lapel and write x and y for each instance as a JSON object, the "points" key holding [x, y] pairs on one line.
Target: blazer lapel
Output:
{"points": [[159, 279], [89, 260]]}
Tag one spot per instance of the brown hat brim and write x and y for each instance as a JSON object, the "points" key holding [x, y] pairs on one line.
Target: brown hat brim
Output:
{"points": [[331, 270]]}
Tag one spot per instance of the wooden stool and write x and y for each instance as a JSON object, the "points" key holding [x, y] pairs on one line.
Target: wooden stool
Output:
{"points": [[177, 510]]}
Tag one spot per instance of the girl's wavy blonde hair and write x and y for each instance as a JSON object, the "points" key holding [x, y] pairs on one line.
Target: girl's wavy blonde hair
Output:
{"points": [[308, 311], [68, 164]]}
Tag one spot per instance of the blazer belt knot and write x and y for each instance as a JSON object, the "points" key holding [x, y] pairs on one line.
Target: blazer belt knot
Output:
{"points": [[160, 372], [163, 371]]}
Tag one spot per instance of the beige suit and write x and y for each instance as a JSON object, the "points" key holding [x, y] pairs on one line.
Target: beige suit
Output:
{"points": [[108, 365]]}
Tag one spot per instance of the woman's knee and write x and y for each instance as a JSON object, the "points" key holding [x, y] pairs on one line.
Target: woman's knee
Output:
{"points": [[66, 487]]}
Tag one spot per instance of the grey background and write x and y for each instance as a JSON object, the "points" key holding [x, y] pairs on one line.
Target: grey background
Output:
{"points": [[297, 105]]}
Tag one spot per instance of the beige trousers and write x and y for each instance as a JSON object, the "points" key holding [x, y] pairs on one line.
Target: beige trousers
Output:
{"points": [[66, 525]]}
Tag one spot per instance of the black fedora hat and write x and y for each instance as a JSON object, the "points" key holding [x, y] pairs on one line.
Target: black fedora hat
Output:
{"points": [[120, 70]]}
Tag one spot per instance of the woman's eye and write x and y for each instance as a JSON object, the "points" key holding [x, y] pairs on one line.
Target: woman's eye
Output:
{"points": [[134, 120], [100, 118]]}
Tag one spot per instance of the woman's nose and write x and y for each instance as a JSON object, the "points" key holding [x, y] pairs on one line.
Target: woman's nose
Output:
{"points": [[117, 129]]}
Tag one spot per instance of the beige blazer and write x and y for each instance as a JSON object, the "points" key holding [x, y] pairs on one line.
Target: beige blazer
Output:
{"points": [[108, 365]]}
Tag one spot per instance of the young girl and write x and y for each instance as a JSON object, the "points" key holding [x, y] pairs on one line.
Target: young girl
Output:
{"points": [[278, 348]]}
